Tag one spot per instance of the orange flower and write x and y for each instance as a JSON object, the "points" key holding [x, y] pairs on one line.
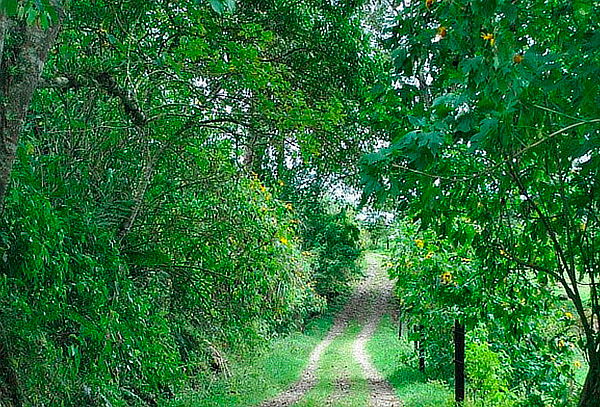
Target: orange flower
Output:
{"points": [[429, 3], [518, 58]]}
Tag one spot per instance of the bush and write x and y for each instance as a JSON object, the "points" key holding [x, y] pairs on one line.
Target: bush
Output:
{"points": [[90, 316], [333, 238], [488, 373]]}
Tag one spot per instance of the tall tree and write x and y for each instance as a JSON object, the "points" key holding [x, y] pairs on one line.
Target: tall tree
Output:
{"points": [[26, 35], [499, 123]]}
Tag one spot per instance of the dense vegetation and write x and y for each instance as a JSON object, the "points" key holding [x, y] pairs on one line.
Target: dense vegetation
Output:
{"points": [[156, 221], [494, 153], [171, 173]]}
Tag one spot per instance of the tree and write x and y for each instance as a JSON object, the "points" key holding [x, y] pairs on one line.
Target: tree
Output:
{"points": [[500, 124], [26, 35], [135, 243]]}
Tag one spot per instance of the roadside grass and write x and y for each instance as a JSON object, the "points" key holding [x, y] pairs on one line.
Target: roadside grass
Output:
{"points": [[340, 379], [388, 353], [270, 371]]}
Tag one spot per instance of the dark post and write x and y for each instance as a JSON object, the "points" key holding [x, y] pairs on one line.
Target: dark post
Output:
{"points": [[459, 362]]}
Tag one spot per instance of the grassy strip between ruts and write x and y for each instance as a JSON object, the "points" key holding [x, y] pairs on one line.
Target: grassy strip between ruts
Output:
{"points": [[388, 353], [341, 382], [271, 371]]}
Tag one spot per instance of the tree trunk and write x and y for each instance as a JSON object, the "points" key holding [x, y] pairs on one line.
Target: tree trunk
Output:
{"points": [[3, 31], [590, 395], [24, 52]]}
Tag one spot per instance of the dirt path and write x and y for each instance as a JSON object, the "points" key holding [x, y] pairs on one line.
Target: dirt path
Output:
{"points": [[382, 393], [367, 305]]}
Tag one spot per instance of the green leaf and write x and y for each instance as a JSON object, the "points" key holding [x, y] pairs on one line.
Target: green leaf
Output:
{"points": [[432, 140], [488, 126], [9, 7], [222, 6]]}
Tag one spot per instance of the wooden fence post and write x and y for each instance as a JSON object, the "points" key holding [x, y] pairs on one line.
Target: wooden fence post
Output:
{"points": [[459, 363]]}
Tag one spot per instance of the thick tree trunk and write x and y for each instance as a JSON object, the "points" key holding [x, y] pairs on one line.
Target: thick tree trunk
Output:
{"points": [[590, 395], [24, 51]]}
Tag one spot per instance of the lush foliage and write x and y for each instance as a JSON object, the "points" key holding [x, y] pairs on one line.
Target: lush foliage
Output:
{"points": [[497, 122], [147, 233], [332, 241], [132, 323], [510, 316], [394, 357]]}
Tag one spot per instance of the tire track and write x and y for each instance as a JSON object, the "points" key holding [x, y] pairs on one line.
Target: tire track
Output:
{"points": [[367, 305], [382, 393]]}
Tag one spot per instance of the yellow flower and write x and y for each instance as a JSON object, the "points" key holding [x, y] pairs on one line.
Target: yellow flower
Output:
{"points": [[466, 260], [429, 3], [446, 277], [502, 252], [569, 315], [577, 364], [442, 31], [281, 183], [420, 243], [489, 37], [389, 264], [561, 344], [305, 253], [429, 255], [262, 188], [288, 206], [284, 240]]}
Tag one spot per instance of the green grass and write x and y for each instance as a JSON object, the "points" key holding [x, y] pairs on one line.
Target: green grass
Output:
{"points": [[388, 353], [263, 376], [337, 363]]}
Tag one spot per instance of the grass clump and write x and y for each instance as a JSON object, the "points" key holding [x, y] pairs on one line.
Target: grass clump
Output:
{"points": [[390, 354], [262, 376]]}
